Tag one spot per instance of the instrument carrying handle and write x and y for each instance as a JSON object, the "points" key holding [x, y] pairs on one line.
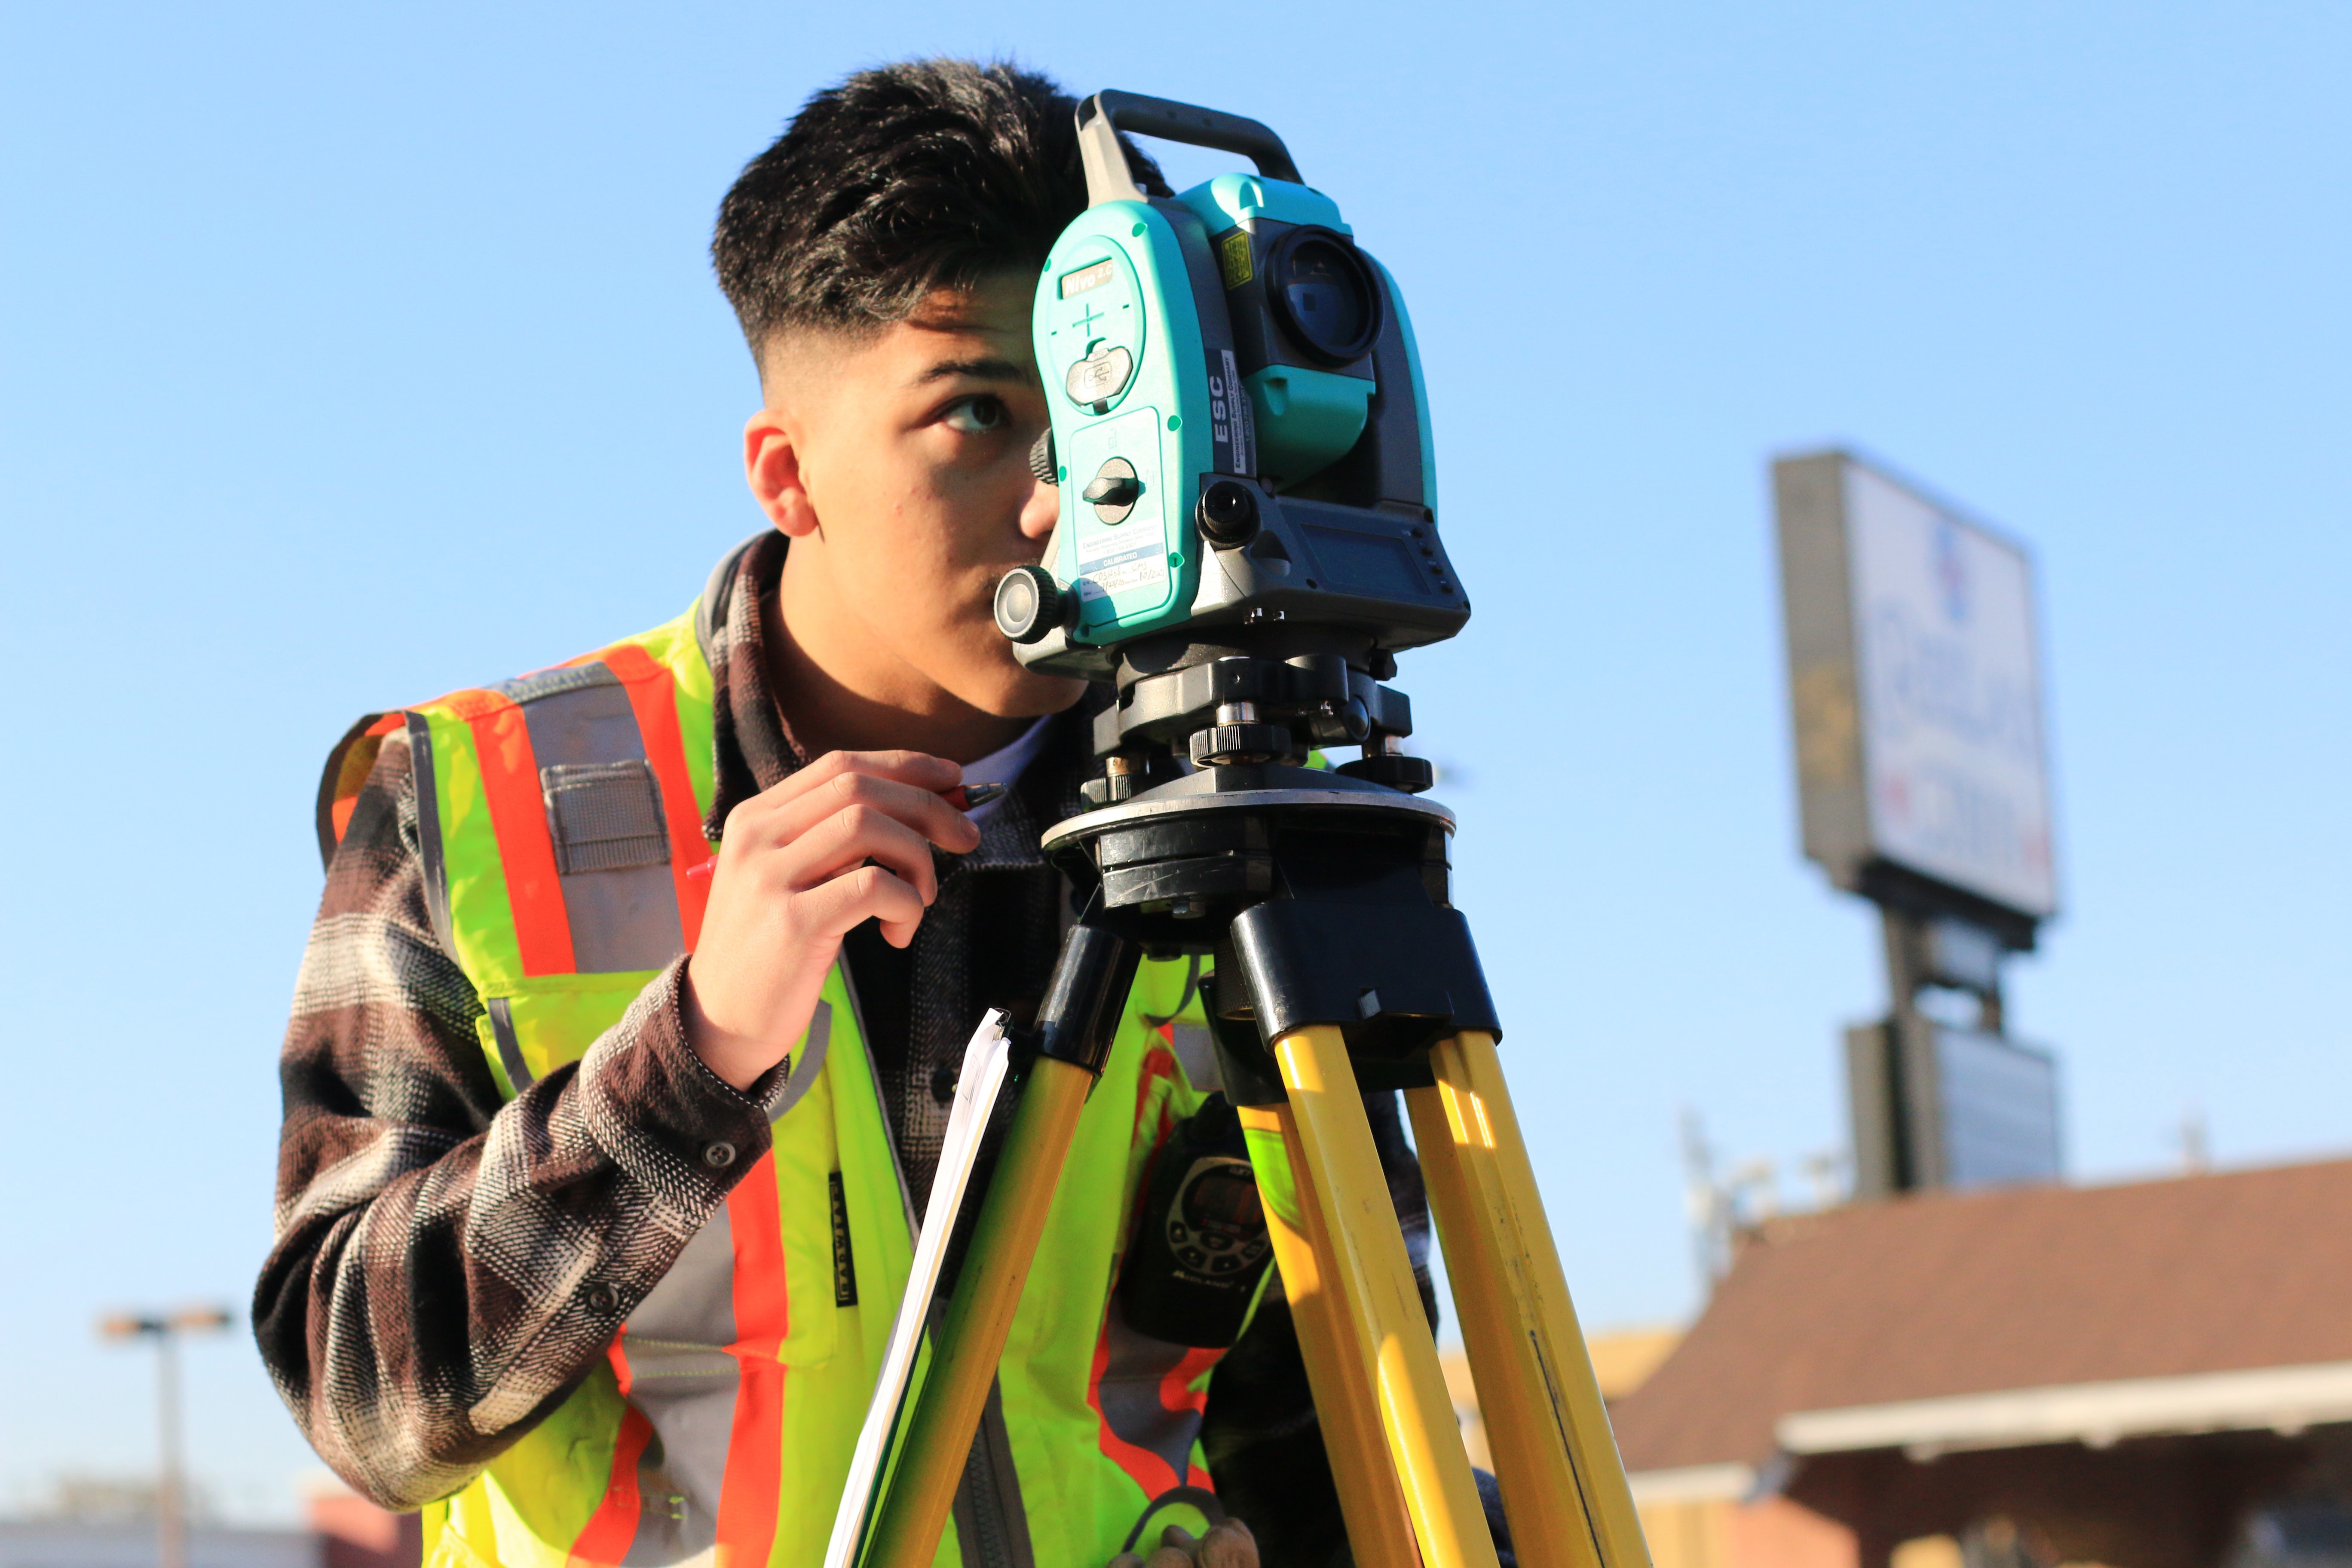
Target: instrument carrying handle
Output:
{"points": [[1102, 116]]}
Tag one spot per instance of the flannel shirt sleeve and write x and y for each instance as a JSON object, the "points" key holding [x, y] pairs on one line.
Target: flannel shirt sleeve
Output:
{"points": [[447, 1267]]}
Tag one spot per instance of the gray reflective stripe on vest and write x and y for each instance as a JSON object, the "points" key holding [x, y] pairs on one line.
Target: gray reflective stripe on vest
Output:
{"points": [[802, 1076], [502, 1032], [682, 1374], [685, 1381], [1134, 1370], [1194, 1046], [605, 814]]}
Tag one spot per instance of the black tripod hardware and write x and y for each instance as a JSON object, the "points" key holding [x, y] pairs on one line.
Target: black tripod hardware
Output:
{"points": [[1317, 900]]}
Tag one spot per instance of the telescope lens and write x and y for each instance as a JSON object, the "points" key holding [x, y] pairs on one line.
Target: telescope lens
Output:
{"points": [[1327, 294]]}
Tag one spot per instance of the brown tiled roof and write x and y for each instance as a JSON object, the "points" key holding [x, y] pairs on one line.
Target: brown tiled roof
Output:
{"points": [[2027, 1287]]}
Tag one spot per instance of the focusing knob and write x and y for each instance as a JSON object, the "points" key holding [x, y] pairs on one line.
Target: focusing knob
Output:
{"points": [[1029, 603], [1228, 512], [1042, 461]]}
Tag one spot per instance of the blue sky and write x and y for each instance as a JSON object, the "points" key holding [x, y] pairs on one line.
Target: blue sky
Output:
{"points": [[348, 355]]}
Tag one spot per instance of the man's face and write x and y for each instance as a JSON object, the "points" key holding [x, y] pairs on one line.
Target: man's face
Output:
{"points": [[912, 498]]}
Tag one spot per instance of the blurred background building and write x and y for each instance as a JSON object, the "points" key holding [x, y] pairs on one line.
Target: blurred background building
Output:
{"points": [[86, 1522], [2156, 1373]]}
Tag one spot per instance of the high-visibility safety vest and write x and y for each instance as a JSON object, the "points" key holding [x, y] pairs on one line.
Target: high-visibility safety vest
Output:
{"points": [[562, 817]]}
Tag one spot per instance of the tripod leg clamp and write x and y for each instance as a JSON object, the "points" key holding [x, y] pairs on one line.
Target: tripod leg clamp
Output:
{"points": [[1394, 977], [1079, 1019]]}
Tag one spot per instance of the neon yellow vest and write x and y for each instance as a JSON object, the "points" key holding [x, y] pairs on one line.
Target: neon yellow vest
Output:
{"points": [[561, 815]]}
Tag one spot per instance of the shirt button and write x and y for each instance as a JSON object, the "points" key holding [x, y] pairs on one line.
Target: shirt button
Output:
{"points": [[718, 1156], [603, 1298]]}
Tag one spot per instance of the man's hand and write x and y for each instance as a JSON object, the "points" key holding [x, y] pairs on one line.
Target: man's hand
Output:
{"points": [[847, 838], [1229, 1545]]}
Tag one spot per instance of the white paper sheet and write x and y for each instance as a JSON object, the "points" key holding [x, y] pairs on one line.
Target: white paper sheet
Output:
{"points": [[984, 1062]]}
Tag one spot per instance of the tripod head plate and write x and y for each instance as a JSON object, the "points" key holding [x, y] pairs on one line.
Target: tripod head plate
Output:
{"points": [[1162, 802]]}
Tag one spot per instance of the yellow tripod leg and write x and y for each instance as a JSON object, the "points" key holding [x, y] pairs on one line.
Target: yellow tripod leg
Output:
{"points": [[1345, 1395], [968, 1343], [1563, 1483], [1377, 1300]]}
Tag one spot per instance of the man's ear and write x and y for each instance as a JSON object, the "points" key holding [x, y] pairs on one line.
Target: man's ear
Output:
{"points": [[772, 466]]}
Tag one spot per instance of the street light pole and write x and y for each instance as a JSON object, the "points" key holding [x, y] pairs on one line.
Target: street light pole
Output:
{"points": [[165, 1328]]}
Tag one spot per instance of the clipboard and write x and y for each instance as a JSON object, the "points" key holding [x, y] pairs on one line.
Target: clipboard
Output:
{"points": [[986, 1061]]}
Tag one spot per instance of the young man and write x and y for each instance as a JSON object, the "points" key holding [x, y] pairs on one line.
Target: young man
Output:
{"points": [[590, 1248]]}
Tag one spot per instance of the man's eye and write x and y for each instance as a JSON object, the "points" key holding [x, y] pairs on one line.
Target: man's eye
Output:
{"points": [[977, 415]]}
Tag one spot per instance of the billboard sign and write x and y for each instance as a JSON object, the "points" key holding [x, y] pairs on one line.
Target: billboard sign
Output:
{"points": [[1915, 676], [1998, 1110], [1938, 1106]]}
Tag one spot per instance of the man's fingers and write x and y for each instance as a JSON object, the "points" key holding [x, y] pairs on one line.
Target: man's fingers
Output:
{"points": [[1230, 1545], [777, 818], [849, 838], [921, 809], [919, 769], [867, 893]]}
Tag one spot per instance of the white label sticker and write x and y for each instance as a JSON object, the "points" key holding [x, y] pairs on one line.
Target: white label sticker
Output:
{"points": [[1127, 560], [1229, 409], [1142, 567]]}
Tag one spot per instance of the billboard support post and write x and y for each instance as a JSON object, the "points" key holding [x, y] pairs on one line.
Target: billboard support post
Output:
{"points": [[1915, 685]]}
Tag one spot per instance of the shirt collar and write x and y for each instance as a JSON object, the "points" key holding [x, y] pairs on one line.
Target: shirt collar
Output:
{"points": [[754, 749]]}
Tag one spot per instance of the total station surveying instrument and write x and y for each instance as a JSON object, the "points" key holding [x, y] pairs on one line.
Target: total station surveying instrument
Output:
{"points": [[1247, 539]]}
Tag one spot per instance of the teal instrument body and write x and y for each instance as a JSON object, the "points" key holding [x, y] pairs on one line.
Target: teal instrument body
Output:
{"points": [[1238, 429], [1123, 370], [1307, 417]]}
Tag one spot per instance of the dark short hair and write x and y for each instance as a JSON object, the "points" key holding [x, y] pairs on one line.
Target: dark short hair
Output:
{"points": [[901, 180]]}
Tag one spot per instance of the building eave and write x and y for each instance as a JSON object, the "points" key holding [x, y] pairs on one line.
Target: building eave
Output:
{"points": [[2282, 1399], [1694, 1483]]}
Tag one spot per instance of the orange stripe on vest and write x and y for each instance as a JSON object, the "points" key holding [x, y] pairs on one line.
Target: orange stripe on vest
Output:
{"points": [[755, 1445], [653, 697], [605, 1539], [518, 817]]}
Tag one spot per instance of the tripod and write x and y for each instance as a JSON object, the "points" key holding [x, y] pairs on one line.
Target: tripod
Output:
{"points": [[1339, 965]]}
